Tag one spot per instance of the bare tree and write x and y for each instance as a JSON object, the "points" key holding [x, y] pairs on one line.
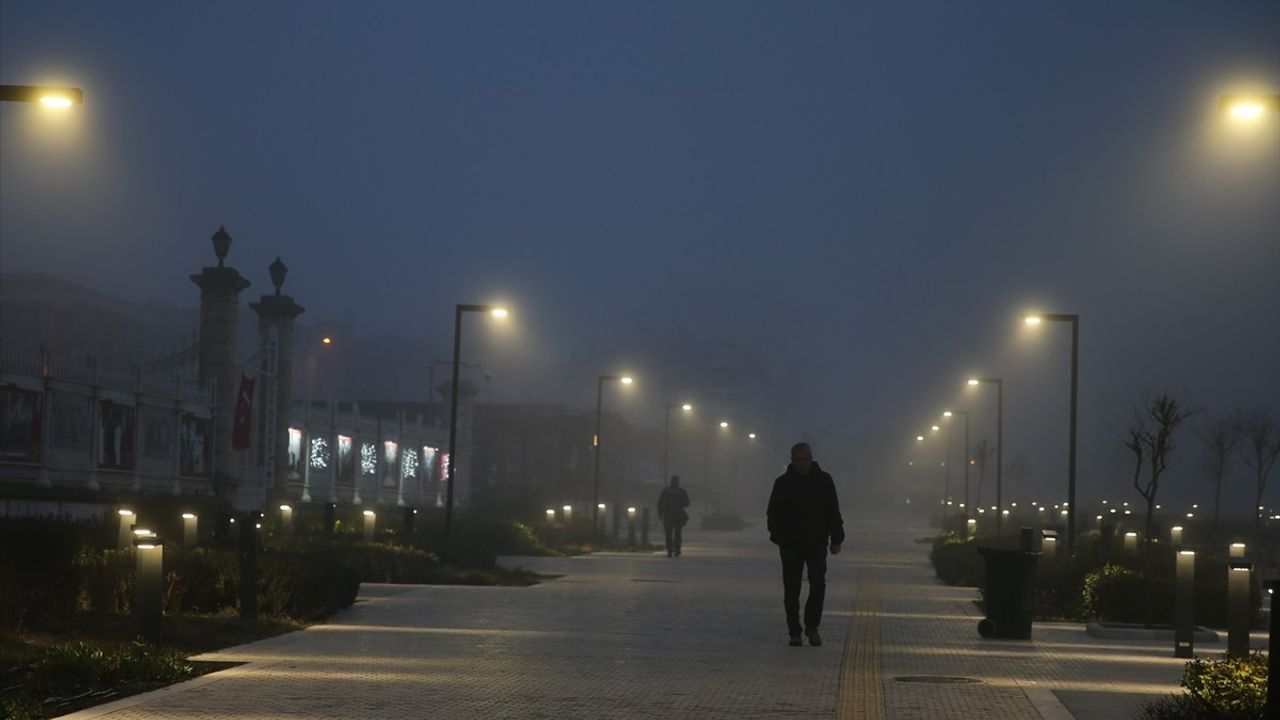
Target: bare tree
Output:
{"points": [[1150, 439], [1259, 450], [1221, 436], [982, 452]]}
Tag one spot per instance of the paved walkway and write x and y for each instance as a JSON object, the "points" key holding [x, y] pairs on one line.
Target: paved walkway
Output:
{"points": [[637, 636]]}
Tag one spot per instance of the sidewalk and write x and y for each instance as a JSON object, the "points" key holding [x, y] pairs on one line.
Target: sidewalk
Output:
{"points": [[701, 636]]}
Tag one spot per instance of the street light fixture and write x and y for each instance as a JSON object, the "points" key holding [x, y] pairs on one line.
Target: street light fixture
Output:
{"points": [[999, 383], [949, 414], [595, 501], [666, 438], [458, 310], [1033, 319], [55, 97], [1249, 107]]}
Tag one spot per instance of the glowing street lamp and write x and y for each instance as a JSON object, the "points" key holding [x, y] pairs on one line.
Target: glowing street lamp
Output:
{"points": [[666, 437], [999, 383], [1034, 319], [595, 500], [54, 97], [458, 310], [1249, 107]]}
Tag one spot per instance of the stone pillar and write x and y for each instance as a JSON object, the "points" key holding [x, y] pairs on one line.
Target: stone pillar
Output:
{"points": [[276, 314], [220, 289]]}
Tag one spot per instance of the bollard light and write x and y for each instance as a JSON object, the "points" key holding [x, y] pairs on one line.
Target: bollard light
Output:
{"points": [[568, 513], [286, 519], [631, 526], [1131, 542], [1175, 535], [1239, 611], [370, 524], [190, 529], [1236, 551], [1184, 605], [973, 526], [148, 589], [551, 515], [124, 537], [1049, 544]]}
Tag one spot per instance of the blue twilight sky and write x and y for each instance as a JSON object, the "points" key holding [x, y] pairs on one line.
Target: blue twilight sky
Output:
{"points": [[862, 195]]}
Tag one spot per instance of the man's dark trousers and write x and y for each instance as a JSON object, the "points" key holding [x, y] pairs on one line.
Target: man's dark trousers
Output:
{"points": [[674, 532], [794, 559]]}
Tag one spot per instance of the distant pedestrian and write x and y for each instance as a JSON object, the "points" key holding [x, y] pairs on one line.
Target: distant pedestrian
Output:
{"points": [[804, 516], [672, 502]]}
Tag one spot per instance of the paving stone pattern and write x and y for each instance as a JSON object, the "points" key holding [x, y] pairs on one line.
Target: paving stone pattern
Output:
{"points": [[639, 636]]}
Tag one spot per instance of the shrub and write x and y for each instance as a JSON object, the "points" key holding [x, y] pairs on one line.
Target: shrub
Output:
{"points": [[307, 583], [71, 667], [107, 580], [1235, 687], [38, 574], [956, 560], [200, 580], [1223, 688], [1114, 593]]}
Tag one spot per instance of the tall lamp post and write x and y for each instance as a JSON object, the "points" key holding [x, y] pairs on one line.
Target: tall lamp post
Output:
{"points": [[999, 383], [498, 312], [1034, 319], [935, 429], [666, 439], [595, 497], [965, 455], [706, 466]]}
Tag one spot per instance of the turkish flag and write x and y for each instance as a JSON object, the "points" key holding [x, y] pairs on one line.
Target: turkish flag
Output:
{"points": [[242, 428]]}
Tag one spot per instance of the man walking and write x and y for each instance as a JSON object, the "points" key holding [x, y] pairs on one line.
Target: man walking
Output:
{"points": [[804, 516], [672, 502]]}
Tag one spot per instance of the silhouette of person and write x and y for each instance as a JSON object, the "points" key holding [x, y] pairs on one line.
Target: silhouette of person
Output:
{"points": [[672, 502], [804, 515]]}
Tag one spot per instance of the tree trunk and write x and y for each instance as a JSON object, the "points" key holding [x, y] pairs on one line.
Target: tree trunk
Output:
{"points": [[1217, 500], [1257, 502], [1146, 564]]}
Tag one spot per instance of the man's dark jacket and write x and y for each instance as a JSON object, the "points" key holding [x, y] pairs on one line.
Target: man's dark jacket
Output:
{"points": [[804, 510], [671, 504]]}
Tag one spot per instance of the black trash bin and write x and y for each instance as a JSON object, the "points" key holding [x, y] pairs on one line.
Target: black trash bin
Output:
{"points": [[1009, 593]]}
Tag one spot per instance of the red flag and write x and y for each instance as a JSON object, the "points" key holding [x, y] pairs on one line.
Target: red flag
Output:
{"points": [[242, 427]]}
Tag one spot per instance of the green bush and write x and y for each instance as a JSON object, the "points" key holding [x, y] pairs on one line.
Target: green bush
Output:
{"points": [[956, 560], [38, 574], [200, 580], [307, 583], [1235, 687], [72, 667], [1224, 688], [107, 580], [1114, 593]]}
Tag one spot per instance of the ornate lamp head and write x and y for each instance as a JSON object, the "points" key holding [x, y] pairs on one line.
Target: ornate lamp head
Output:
{"points": [[278, 271], [221, 244]]}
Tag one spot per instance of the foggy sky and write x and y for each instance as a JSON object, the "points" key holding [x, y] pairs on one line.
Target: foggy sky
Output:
{"points": [[864, 196]]}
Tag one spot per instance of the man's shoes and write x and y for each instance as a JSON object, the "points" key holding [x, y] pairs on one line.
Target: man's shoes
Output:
{"points": [[814, 638], [795, 641]]}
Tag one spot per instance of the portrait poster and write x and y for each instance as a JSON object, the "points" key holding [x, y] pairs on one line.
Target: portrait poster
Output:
{"points": [[195, 447], [346, 461], [295, 454], [390, 451], [19, 425], [116, 426]]}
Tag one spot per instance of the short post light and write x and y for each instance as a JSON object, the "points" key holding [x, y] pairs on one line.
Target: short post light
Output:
{"points": [[1184, 605], [1049, 544], [596, 517], [1175, 536], [551, 516], [190, 529], [1239, 612], [644, 525], [1131, 542], [286, 519], [370, 525], [568, 513], [124, 536], [1236, 551], [148, 590], [631, 526], [408, 521], [972, 524]]}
